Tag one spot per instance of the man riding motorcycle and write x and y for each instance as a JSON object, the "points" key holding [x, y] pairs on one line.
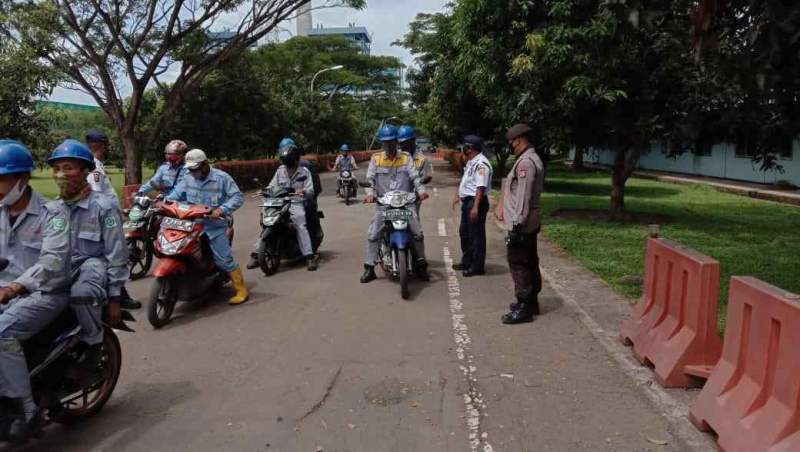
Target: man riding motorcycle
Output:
{"points": [[99, 256], [293, 177], [34, 237], [389, 170], [344, 162], [216, 189], [168, 174]]}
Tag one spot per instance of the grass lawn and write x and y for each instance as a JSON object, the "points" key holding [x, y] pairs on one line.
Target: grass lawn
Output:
{"points": [[42, 180], [747, 236]]}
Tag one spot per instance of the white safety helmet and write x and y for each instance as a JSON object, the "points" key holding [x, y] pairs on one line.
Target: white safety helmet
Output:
{"points": [[194, 159]]}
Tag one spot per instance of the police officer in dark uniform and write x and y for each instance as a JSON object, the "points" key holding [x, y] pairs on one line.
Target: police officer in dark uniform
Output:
{"points": [[473, 193], [521, 216]]}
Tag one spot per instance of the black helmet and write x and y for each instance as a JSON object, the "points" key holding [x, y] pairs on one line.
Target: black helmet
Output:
{"points": [[289, 155]]}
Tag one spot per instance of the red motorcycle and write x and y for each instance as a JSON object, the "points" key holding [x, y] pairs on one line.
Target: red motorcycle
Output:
{"points": [[140, 233], [185, 270]]}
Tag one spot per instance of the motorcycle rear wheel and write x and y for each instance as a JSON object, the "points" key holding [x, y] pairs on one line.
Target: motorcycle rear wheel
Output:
{"points": [[81, 406], [163, 297], [269, 256], [141, 257]]}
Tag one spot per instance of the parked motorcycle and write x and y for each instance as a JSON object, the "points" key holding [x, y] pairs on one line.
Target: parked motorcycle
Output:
{"points": [[185, 269], [348, 185], [278, 237], [60, 387], [396, 251], [140, 234]]}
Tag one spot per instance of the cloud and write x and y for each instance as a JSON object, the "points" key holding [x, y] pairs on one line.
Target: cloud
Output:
{"points": [[386, 20]]}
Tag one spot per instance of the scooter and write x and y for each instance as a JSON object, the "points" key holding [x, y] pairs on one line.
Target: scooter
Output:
{"points": [[185, 270], [61, 391], [396, 251], [140, 233], [278, 239], [348, 185]]}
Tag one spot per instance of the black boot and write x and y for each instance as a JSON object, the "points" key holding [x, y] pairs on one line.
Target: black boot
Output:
{"points": [[517, 304], [253, 261], [522, 315], [369, 274], [421, 269], [313, 262], [21, 430], [127, 302]]}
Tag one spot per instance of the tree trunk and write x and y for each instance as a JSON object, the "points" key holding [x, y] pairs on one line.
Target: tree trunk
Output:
{"points": [[625, 162], [133, 159], [577, 162]]}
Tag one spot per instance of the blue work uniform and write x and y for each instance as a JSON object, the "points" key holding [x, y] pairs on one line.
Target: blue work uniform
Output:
{"points": [[477, 174], [217, 190], [300, 179], [166, 178], [99, 260], [37, 246], [385, 175]]}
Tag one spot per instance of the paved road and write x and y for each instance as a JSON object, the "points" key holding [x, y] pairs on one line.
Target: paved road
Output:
{"points": [[317, 361]]}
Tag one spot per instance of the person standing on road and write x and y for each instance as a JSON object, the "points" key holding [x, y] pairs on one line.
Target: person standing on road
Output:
{"points": [[473, 193], [521, 214], [391, 170], [100, 146]]}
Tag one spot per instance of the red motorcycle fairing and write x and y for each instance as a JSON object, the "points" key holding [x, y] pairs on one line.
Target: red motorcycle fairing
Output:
{"points": [[169, 266], [138, 233]]}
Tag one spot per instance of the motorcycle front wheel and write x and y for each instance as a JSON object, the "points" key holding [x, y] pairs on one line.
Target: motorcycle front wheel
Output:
{"points": [[269, 256], [140, 257], [163, 297], [402, 269], [89, 401]]}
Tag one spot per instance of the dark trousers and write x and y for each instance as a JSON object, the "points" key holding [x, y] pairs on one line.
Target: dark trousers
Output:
{"points": [[473, 235], [523, 261]]}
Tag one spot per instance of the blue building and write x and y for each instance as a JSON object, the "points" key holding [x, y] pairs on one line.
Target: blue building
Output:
{"points": [[723, 160], [358, 35]]}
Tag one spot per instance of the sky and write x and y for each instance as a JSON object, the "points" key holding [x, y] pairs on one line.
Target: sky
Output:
{"points": [[386, 20]]}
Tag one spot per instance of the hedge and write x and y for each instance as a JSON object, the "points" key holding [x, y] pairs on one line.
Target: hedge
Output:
{"points": [[245, 171]]}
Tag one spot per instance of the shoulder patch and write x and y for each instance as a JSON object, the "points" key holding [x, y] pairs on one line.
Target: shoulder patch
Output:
{"points": [[57, 224], [110, 222]]}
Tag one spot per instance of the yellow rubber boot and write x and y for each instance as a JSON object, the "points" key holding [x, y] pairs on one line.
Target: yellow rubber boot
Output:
{"points": [[241, 289]]}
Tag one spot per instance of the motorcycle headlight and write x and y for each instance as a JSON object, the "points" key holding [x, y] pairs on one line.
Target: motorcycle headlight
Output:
{"points": [[270, 220], [399, 225], [346, 174], [167, 247]]}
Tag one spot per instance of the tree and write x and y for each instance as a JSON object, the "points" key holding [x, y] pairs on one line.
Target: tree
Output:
{"points": [[107, 47]]}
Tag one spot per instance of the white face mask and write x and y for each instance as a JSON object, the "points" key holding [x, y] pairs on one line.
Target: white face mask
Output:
{"points": [[14, 195]]}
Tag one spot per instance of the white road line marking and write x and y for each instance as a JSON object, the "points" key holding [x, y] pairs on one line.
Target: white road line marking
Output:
{"points": [[473, 399], [442, 228], [435, 191], [675, 413]]}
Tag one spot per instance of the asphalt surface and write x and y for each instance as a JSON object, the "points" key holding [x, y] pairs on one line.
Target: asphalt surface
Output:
{"points": [[319, 362]]}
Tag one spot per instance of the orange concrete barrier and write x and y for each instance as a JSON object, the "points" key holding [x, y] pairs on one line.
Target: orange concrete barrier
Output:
{"points": [[752, 399], [674, 325], [127, 193]]}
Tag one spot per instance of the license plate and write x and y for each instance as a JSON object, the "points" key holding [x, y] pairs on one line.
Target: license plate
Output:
{"points": [[180, 225], [272, 203], [397, 214], [132, 224]]}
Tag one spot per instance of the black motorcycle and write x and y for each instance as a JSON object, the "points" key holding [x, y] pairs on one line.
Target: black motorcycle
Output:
{"points": [[278, 239], [348, 185], [61, 388]]}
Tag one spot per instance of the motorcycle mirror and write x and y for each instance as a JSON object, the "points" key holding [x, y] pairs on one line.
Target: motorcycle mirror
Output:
{"points": [[364, 184], [3, 263]]}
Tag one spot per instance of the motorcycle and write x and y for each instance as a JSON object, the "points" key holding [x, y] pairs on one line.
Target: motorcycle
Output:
{"points": [[140, 233], [185, 269], [396, 252], [348, 185], [278, 238], [64, 394]]}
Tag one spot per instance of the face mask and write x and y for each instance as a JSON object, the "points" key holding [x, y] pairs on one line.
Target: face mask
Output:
{"points": [[197, 174], [69, 187], [173, 158], [14, 195]]}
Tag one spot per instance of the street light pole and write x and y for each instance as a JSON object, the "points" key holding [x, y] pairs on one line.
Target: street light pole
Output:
{"points": [[332, 68]]}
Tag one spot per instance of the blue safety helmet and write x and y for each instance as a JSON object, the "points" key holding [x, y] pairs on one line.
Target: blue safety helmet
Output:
{"points": [[15, 158], [388, 133], [345, 148], [72, 149], [286, 142], [406, 133]]}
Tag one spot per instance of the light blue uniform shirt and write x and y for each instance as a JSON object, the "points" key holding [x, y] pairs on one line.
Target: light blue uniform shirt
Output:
{"points": [[218, 189], [37, 246], [164, 179]]}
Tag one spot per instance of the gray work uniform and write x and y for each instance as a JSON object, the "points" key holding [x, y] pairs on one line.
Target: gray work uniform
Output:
{"points": [[300, 179], [385, 175], [423, 165], [37, 246], [99, 260], [521, 209]]}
